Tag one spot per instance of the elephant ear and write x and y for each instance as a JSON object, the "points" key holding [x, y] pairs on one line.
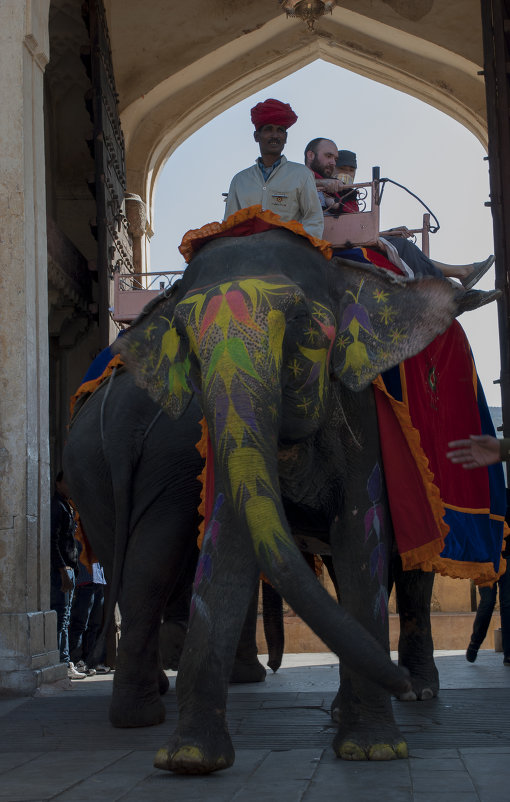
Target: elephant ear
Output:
{"points": [[158, 356], [384, 319]]}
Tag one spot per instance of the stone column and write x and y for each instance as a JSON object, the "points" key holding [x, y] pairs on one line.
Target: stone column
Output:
{"points": [[136, 214], [28, 653]]}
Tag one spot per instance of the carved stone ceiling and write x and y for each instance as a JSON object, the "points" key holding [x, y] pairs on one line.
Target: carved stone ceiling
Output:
{"points": [[181, 64]]}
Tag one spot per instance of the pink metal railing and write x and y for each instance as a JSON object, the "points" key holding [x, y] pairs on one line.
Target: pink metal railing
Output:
{"points": [[133, 291]]}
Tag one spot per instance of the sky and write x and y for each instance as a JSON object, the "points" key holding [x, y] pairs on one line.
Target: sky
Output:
{"points": [[413, 143]]}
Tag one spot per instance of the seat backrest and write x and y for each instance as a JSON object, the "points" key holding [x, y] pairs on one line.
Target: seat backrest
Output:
{"points": [[356, 228]]}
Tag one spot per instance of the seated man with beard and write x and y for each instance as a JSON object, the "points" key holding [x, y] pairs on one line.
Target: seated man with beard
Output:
{"points": [[327, 163]]}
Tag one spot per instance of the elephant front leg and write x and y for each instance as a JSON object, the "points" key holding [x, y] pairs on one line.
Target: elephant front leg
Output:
{"points": [[224, 585], [415, 645]]}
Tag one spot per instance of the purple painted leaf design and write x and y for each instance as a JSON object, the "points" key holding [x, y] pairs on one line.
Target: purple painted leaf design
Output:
{"points": [[374, 484], [220, 498], [377, 562], [221, 412], [213, 530], [244, 407], [204, 569], [358, 312], [314, 373], [377, 522], [381, 604], [369, 518]]}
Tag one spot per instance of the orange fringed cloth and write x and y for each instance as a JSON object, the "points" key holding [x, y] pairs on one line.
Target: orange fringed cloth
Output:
{"points": [[105, 364], [206, 480], [251, 220]]}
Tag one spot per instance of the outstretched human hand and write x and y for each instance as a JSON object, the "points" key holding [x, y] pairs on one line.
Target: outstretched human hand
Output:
{"points": [[476, 452]]}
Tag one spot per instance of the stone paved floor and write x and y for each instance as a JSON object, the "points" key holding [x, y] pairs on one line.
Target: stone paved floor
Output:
{"points": [[60, 746]]}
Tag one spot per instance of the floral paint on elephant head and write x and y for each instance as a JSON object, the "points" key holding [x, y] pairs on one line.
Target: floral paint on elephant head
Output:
{"points": [[374, 527], [363, 338]]}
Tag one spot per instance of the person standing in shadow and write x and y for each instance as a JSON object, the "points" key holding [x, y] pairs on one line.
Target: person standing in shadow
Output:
{"points": [[478, 451], [64, 564]]}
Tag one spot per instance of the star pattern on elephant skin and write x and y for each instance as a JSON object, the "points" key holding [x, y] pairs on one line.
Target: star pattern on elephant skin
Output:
{"points": [[312, 334], [305, 404], [387, 315], [381, 296], [273, 411], [324, 315], [383, 354], [342, 342], [295, 368], [397, 335]]}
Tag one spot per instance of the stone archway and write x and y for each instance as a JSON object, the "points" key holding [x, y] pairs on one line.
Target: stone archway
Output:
{"points": [[400, 48]]}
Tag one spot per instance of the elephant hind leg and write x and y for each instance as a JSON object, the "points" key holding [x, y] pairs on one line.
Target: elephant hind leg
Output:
{"points": [[416, 646]]}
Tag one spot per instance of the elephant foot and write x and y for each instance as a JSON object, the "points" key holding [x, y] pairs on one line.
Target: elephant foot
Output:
{"points": [[424, 683], [252, 671], [192, 754], [136, 710], [376, 742]]}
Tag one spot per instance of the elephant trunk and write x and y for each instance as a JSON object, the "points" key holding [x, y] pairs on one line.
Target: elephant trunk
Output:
{"points": [[241, 381]]}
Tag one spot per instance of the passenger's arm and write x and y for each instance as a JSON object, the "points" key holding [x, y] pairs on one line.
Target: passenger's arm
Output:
{"points": [[313, 217]]}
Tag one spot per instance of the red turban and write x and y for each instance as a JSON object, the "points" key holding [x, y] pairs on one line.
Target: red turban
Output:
{"points": [[272, 111]]}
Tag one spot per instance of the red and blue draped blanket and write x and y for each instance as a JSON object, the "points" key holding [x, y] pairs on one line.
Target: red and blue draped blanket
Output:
{"points": [[445, 518]]}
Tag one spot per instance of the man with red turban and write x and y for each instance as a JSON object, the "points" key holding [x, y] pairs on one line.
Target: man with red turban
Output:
{"points": [[286, 188]]}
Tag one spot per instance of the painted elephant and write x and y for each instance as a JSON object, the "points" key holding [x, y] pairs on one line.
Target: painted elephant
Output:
{"points": [[121, 426], [280, 346]]}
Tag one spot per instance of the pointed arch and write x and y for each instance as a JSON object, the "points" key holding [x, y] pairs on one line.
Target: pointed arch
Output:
{"points": [[159, 121]]}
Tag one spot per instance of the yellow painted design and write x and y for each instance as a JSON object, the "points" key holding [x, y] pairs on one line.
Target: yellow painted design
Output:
{"points": [[381, 296], [247, 468], [169, 344], [276, 326], [318, 356], [387, 315], [265, 526], [396, 335], [356, 358], [236, 331]]}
